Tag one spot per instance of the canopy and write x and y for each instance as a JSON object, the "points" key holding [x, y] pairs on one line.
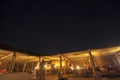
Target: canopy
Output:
{"points": [[6, 55]]}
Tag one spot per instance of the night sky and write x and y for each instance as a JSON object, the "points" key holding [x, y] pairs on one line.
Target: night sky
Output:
{"points": [[47, 27]]}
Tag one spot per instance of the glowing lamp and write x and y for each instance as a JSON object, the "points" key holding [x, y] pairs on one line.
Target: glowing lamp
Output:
{"points": [[45, 66], [77, 67]]}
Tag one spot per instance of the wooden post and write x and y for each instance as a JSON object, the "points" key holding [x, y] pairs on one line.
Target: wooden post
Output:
{"points": [[6, 56], [9, 67], [12, 62], [66, 66], [60, 63], [118, 58], [39, 63], [95, 73], [92, 62], [51, 64], [60, 74], [24, 67]]}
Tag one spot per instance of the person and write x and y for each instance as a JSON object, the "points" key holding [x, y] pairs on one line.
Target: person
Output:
{"points": [[42, 70]]}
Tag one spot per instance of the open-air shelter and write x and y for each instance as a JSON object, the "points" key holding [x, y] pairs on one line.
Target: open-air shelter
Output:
{"points": [[16, 61]]}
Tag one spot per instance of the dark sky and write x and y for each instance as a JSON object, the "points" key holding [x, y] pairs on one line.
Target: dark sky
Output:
{"points": [[57, 26]]}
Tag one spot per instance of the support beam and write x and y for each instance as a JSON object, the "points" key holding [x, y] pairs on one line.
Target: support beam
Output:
{"points": [[67, 63], [60, 63], [95, 73], [118, 58], [60, 71], [6, 56], [24, 67], [11, 67], [39, 63], [92, 61], [66, 57], [30, 60]]}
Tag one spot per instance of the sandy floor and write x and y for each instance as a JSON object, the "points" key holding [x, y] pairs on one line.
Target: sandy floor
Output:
{"points": [[55, 78], [26, 76], [16, 76]]}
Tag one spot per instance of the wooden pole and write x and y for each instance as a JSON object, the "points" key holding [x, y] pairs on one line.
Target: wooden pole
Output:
{"points": [[9, 67], [60, 63], [92, 62], [39, 63], [6, 56], [60, 72], [118, 58], [12, 62], [24, 67], [52, 67], [95, 73]]}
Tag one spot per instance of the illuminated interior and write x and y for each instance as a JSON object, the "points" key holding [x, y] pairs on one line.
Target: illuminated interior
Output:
{"points": [[78, 59]]}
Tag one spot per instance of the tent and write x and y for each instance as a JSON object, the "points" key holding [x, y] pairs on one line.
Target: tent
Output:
{"points": [[95, 57]]}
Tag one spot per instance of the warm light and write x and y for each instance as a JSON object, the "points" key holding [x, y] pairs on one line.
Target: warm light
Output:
{"points": [[37, 66], [63, 63], [55, 66], [57, 63], [46, 66], [71, 68], [78, 67]]}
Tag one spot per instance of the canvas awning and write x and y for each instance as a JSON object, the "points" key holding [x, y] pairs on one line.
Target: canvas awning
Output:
{"points": [[84, 54], [5, 55]]}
